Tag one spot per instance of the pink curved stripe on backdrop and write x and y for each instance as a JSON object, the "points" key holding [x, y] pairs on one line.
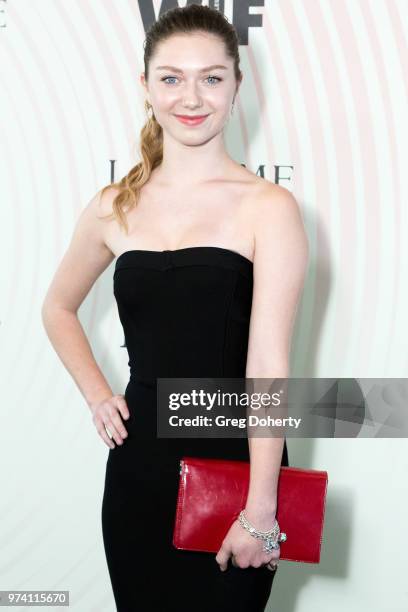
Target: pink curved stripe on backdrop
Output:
{"points": [[244, 132], [370, 166], [33, 258], [395, 194], [278, 65], [264, 123], [123, 109], [340, 136], [62, 56], [402, 51], [16, 204], [134, 56], [371, 173], [17, 271], [98, 97]]}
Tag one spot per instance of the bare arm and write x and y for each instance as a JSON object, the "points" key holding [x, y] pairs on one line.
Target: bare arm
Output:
{"points": [[281, 254], [280, 263], [85, 259]]}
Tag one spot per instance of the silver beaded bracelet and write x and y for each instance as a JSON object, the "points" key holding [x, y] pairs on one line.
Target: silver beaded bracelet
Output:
{"points": [[271, 538]]}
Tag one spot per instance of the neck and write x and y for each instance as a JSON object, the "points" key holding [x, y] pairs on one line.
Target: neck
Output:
{"points": [[193, 164]]}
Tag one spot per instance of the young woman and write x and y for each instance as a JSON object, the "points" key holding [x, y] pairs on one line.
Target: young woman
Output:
{"points": [[210, 266]]}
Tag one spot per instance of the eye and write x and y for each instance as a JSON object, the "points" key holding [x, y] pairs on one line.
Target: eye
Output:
{"points": [[165, 79], [214, 77], [168, 77]]}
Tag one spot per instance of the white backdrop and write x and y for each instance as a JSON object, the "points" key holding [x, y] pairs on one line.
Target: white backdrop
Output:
{"points": [[324, 98]]}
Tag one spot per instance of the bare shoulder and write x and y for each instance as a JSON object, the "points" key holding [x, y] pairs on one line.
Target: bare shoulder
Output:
{"points": [[262, 199], [270, 201], [104, 199], [276, 221]]}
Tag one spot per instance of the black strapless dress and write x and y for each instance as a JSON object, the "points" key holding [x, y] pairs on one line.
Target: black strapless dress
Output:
{"points": [[185, 313]]}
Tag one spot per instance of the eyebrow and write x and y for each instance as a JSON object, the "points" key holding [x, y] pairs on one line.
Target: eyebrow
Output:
{"points": [[174, 69]]}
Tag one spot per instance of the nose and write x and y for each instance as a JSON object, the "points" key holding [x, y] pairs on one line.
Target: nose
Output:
{"points": [[191, 98]]}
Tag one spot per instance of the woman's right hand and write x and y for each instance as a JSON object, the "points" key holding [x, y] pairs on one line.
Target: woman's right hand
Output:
{"points": [[106, 416]]}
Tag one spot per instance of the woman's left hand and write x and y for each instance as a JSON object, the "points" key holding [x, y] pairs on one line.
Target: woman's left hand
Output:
{"points": [[245, 549]]}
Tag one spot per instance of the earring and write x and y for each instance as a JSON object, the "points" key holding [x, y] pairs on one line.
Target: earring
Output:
{"points": [[149, 109], [232, 108]]}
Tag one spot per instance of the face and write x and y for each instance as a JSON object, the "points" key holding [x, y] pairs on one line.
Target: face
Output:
{"points": [[191, 76]]}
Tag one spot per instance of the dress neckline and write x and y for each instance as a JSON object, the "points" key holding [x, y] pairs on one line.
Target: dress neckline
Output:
{"points": [[192, 248]]}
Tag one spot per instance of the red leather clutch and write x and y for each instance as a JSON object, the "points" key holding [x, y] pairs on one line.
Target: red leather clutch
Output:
{"points": [[212, 492]]}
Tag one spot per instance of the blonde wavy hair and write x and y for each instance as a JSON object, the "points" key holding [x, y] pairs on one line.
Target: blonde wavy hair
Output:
{"points": [[188, 19]]}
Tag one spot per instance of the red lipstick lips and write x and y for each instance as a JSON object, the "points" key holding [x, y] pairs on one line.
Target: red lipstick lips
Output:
{"points": [[191, 119]]}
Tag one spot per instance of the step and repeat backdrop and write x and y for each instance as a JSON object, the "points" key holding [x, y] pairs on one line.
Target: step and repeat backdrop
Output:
{"points": [[322, 110]]}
